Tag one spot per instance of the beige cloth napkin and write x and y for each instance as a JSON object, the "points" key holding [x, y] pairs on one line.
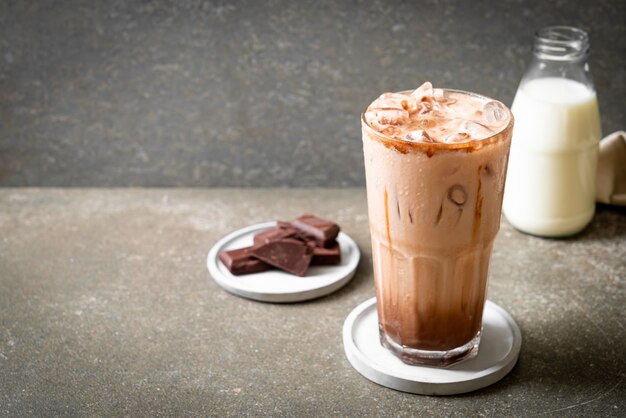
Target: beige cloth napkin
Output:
{"points": [[611, 178]]}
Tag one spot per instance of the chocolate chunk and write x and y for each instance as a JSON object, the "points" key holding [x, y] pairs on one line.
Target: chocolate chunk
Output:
{"points": [[284, 225], [241, 262], [290, 255], [284, 230], [325, 232], [326, 256]]}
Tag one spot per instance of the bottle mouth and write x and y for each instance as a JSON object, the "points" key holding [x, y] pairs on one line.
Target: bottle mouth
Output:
{"points": [[561, 43]]}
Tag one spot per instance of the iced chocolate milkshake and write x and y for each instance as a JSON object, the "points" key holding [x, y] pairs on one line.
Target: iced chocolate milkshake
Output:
{"points": [[435, 163]]}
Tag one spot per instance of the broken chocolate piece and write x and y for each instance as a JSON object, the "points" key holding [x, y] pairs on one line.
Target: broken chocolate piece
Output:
{"points": [[290, 255], [284, 230], [326, 256], [240, 262], [322, 230]]}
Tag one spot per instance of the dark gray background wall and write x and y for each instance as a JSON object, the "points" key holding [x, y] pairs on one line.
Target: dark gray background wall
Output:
{"points": [[252, 93]]}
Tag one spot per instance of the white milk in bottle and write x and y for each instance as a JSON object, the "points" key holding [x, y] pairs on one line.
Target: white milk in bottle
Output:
{"points": [[550, 186]]}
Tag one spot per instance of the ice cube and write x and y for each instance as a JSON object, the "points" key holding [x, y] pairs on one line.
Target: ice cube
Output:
{"points": [[418, 135], [457, 138], [425, 107], [447, 97], [390, 130], [457, 195], [477, 130], [423, 92], [394, 101], [495, 113], [426, 122], [386, 116], [409, 104]]}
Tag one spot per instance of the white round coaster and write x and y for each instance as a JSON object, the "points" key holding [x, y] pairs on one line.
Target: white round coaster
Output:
{"points": [[497, 354], [280, 286]]}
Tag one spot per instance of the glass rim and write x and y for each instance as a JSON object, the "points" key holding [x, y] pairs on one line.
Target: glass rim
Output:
{"points": [[473, 144]]}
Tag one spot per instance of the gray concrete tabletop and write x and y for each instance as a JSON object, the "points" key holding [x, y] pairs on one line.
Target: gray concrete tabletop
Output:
{"points": [[107, 309]]}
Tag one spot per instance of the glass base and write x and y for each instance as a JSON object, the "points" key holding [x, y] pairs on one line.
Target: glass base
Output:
{"points": [[417, 357]]}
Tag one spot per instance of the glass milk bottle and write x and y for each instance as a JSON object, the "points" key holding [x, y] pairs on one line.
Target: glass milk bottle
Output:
{"points": [[550, 186]]}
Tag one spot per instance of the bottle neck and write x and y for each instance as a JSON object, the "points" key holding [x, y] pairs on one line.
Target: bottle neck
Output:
{"points": [[560, 52], [561, 44]]}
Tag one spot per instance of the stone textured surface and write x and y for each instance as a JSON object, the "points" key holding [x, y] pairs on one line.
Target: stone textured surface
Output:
{"points": [[249, 93], [106, 308]]}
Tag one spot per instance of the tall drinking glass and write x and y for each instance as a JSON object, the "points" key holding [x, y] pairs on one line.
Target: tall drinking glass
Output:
{"points": [[434, 212]]}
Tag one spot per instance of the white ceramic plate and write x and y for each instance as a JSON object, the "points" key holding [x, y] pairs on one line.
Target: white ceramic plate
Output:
{"points": [[276, 285], [497, 354]]}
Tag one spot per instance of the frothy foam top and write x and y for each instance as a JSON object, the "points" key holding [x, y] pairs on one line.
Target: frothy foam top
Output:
{"points": [[436, 115]]}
